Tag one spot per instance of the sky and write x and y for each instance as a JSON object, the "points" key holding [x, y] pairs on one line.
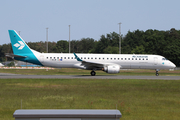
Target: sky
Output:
{"points": [[88, 18]]}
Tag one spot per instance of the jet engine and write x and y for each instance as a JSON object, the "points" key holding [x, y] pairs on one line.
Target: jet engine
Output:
{"points": [[111, 69]]}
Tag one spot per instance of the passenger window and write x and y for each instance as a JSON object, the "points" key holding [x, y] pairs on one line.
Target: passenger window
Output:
{"points": [[143, 59], [47, 57], [107, 58], [132, 58], [99, 58], [84, 57], [71, 57], [125, 58], [128, 58], [114, 58], [103, 58], [81, 57], [57, 57], [146, 59], [64, 57], [111, 58], [121, 58], [136, 58], [139, 58], [88, 57], [50, 57], [95, 58], [91, 58], [61, 57], [54, 57]]}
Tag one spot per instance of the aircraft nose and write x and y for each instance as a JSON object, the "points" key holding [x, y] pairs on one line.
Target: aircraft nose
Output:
{"points": [[173, 65]]}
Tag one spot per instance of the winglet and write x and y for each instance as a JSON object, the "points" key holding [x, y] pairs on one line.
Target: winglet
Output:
{"points": [[78, 59]]}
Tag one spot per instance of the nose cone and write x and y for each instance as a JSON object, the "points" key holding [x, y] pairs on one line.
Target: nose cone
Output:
{"points": [[173, 65]]}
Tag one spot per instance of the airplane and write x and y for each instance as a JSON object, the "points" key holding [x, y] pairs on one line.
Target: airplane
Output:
{"points": [[109, 63]]}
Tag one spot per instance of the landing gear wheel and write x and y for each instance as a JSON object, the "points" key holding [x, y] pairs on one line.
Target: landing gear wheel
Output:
{"points": [[93, 73], [157, 74]]}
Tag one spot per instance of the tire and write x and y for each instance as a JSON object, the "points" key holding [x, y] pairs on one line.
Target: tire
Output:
{"points": [[157, 74], [93, 73]]}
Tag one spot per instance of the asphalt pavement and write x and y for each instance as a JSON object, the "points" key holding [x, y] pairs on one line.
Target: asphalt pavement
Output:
{"points": [[17, 76]]}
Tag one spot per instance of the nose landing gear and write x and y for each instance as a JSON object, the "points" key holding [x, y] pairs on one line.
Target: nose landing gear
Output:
{"points": [[157, 74]]}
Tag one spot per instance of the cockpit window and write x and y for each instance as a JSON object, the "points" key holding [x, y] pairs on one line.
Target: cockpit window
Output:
{"points": [[164, 59]]}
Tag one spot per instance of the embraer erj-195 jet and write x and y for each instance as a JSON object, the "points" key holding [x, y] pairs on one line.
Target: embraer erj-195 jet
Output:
{"points": [[110, 63]]}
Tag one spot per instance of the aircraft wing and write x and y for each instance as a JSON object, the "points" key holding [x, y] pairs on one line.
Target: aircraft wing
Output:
{"points": [[91, 64]]}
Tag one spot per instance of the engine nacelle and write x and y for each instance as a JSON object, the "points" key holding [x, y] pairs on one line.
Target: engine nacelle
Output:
{"points": [[112, 69]]}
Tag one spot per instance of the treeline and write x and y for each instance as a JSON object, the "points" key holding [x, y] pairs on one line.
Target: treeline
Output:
{"points": [[165, 43]]}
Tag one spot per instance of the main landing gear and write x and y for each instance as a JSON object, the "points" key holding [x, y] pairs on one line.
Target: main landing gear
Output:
{"points": [[93, 73], [157, 74]]}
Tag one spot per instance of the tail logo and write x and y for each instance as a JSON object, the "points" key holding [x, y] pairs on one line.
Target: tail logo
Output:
{"points": [[20, 45]]}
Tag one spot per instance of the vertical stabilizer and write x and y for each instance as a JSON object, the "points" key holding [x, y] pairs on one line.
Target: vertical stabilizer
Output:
{"points": [[21, 50], [18, 44]]}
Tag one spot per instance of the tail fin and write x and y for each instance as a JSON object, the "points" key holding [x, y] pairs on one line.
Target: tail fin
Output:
{"points": [[21, 50], [18, 44]]}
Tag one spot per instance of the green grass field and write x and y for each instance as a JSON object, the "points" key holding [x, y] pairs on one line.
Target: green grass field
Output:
{"points": [[136, 99]]}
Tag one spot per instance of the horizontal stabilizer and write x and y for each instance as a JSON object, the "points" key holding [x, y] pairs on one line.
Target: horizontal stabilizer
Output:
{"points": [[12, 55]]}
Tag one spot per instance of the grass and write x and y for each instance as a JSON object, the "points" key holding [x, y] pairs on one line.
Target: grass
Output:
{"points": [[71, 71], [136, 99]]}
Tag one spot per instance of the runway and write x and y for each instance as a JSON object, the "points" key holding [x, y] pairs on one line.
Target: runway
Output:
{"points": [[17, 76]]}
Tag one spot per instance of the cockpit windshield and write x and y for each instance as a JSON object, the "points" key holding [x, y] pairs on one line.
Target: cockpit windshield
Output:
{"points": [[164, 59]]}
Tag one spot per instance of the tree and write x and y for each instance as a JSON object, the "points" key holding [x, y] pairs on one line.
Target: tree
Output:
{"points": [[5, 48], [111, 39], [62, 46], [172, 49], [38, 46], [138, 50], [111, 50]]}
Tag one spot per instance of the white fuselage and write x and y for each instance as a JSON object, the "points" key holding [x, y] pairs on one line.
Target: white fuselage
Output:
{"points": [[125, 61]]}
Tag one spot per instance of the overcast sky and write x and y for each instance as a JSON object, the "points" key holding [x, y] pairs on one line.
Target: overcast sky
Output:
{"points": [[88, 18]]}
